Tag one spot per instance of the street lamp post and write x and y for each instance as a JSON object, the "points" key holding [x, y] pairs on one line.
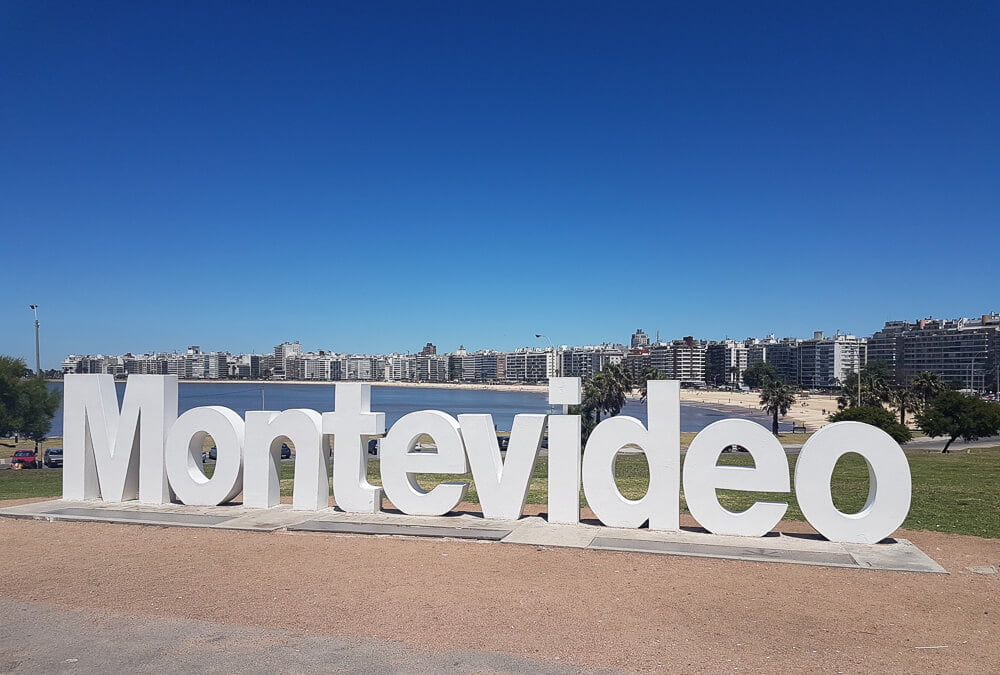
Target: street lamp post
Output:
{"points": [[972, 372], [38, 372], [38, 357], [555, 352]]}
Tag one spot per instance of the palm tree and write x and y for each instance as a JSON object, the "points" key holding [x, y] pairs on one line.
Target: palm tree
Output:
{"points": [[593, 397], [607, 391], [617, 387], [926, 386], [904, 400], [776, 398], [647, 375], [874, 389]]}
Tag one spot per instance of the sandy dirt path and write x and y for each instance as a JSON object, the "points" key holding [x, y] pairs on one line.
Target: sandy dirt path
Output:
{"points": [[589, 608]]}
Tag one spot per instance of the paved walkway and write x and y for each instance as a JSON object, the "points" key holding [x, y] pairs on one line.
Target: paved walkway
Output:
{"points": [[47, 638]]}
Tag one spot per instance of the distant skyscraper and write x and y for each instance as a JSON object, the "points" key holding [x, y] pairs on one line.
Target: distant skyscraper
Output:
{"points": [[429, 350], [639, 339]]}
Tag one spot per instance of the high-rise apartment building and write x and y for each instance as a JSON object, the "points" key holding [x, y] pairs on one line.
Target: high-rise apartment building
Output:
{"points": [[726, 361], [962, 351], [824, 362], [639, 339], [682, 360]]}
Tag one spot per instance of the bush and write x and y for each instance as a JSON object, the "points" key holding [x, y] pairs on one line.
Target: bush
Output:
{"points": [[877, 417]]}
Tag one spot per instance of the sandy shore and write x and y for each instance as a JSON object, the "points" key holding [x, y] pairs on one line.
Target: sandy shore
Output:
{"points": [[626, 611], [810, 410]]}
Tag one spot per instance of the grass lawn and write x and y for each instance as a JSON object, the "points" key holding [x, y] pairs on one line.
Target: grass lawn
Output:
{"points": [[27, 483], [958, 492]]}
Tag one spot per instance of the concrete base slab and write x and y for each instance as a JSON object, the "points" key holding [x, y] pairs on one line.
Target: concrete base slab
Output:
{"points": [[399, 530], [802, 549], [830, 558], [267, 520], [116, 516], [536, 531]]}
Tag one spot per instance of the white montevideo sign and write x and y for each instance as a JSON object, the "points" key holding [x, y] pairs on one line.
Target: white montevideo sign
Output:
{"points": [[145, 451]]}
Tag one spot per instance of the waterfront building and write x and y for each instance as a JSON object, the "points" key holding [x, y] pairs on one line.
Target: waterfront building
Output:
{"points": [[431, 368], [726, 361], [824, 362], [485, 365], [637, 362], [961, 351], [586, 361], [781, 354], [682, 360], [364, 368], [501, 366], [639, 340], [530, 365]]}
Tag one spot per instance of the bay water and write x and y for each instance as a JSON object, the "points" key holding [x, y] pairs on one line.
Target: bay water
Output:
{"points": [[398, 401]]}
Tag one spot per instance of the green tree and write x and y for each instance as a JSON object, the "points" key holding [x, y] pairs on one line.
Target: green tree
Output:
{"points": [[647, 375], [587, 421], [616, 386], [757, 374], [607, 391], [712, 374], [926, 386], [874, 390], [26, 404], [904, 400], [776, 398], [954, 414], [877, 416]]}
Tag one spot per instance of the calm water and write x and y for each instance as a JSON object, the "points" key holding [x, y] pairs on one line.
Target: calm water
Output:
{"points": [[397, 401]]}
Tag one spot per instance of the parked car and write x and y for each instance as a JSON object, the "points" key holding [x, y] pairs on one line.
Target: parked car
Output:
{"points": [[286, 452], [373, 447], [213, 453], [54, 458], [503, 442], [24, 459]]}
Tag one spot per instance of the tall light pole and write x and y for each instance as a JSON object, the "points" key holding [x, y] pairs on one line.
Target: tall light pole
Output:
{"points": [[860, 402], [38, 372], [972, 372], [38, 355], [555, 352]]}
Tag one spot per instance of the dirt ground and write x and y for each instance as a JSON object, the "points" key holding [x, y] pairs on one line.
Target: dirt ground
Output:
{"points": [[589, 608]]}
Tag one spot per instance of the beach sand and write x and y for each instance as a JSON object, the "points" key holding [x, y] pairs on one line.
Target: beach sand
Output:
{"points": [[809, 410]]}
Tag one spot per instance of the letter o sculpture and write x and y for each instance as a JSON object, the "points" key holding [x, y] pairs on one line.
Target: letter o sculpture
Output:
{"points": [[183, 456], [888, 500]]}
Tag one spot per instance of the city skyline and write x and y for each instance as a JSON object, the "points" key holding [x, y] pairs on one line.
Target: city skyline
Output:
{"points": [[52, 361], [959, 350], [372, 177]]}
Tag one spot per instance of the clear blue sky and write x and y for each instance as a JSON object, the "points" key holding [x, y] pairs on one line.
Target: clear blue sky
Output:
{"points": [[370, 176]]}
